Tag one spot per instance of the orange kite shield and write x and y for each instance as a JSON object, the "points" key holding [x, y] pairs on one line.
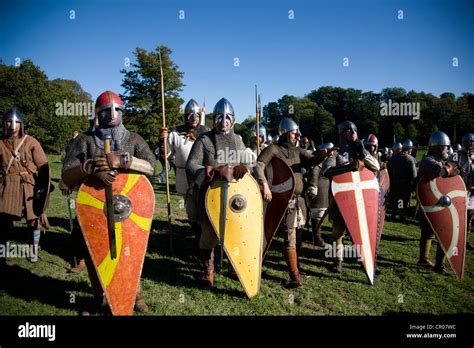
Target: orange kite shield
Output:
{"points": [[133, 207], [282, 184], [357, 197], [444, 203]]}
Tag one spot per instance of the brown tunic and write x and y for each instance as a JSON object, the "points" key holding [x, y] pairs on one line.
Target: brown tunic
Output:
{"points": [[16, 188]]}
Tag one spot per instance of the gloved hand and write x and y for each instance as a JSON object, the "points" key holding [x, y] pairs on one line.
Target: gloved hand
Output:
{"points": [[452, 170], [239, 171], [209, 173], [107, 177], [357, 165], [225, 172], [164, 133], [101, 164], [191, 136], [65, 190]]}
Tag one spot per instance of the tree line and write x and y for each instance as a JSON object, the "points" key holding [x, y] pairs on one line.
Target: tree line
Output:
{"points": [[55, 108]]}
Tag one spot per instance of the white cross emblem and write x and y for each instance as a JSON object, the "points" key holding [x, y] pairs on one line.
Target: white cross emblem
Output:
{"points": [[452, 209], [358, 186]]}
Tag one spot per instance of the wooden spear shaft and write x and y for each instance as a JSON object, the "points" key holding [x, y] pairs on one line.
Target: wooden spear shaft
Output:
{"points": [[257, 126], [168, 199]]}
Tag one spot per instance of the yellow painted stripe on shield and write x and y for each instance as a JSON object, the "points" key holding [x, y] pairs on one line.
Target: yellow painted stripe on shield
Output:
{"points": [[142, 222], [107, 267], [87, 199], [131, 181]]}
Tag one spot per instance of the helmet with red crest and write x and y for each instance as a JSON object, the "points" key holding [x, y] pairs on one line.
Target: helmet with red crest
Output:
{"points": [[108, 109]]}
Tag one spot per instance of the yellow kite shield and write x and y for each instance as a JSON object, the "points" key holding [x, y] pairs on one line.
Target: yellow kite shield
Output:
{"points": [[235, 210]]}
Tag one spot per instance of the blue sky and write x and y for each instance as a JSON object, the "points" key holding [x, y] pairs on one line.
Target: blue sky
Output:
{"points": [[280, 55]]}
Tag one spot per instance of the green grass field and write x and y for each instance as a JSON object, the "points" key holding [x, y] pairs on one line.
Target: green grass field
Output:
{"points": [[169, 283]]}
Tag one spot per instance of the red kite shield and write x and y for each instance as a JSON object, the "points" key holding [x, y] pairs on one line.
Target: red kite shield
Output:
{"points": [[134, 204], [357, 197], [447, 216], [384, 181], [282, 184]]}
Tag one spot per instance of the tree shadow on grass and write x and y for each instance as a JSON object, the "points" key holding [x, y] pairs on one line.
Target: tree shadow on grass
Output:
{"points": [[56, 243], [182, 240], [22, 283], [180, 273], [392, 238], [383, 261]]}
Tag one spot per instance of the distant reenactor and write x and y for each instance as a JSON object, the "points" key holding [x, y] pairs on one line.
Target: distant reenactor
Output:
{"points": [[464, 158], [318, 195], [262, 132], [307, 144], [384, 157], [23, 164], [402, 170], [371, 144], [180, 142], [396, 148]]}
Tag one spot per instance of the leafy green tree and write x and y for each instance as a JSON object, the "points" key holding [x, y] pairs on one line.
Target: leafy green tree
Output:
{"points": [[142, 97], [28, 87]]}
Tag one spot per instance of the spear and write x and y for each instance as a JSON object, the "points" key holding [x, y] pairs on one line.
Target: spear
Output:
{"points": [[203, 114], [168, 199], [257, 115]]}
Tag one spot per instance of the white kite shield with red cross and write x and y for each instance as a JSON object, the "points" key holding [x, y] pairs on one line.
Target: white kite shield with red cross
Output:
{"points": [[444, 203], [357, 197]]}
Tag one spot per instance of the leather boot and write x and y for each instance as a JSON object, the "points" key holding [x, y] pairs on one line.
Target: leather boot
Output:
{"points": [[291, 260], [440, 257], [318, 240], [79, 267], [207, 260], [299, 248], [425, 247], [140, 305]]}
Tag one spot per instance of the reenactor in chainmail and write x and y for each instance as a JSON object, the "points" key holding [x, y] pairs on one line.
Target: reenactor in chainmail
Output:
{"points": [[318, 195], [208, 161], [402, 171], [351, 156], [433, 165], [86, 158], [464, 158], [296, 158], [397, 148], [384, 158]]}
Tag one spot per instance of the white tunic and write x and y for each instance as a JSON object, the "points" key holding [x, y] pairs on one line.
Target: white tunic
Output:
{"points": [[179, 146]]}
